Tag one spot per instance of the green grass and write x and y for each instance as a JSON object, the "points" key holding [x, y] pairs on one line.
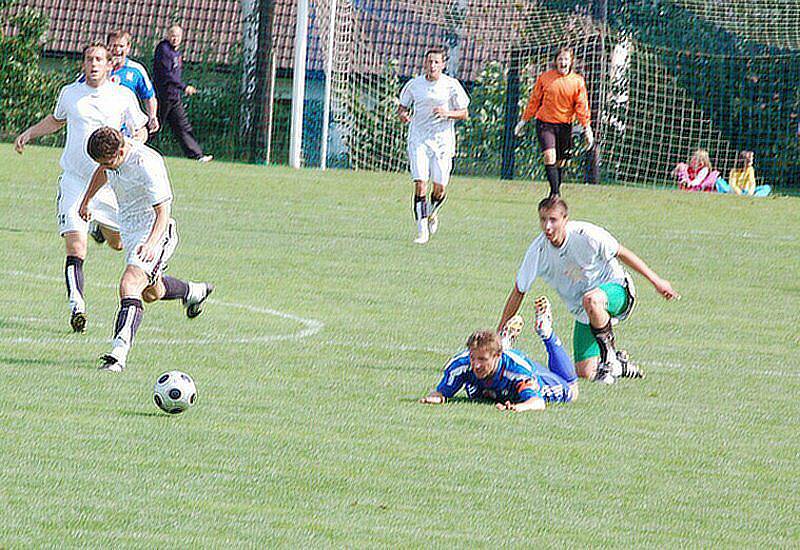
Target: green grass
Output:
{"points": [[317, 440]]}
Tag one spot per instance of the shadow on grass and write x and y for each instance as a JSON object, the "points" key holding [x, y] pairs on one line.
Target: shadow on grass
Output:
{"points": [[21, 361], [139, 413]]}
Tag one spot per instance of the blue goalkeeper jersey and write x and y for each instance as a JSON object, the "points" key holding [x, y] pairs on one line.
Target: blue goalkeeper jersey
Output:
{"points": [[516, 379], [134, 76]]}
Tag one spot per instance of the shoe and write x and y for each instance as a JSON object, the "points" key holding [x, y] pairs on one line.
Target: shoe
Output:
{"points": [[95, 233], [604, 375], [205, 158], [78, 321], [629, 370], [511, 330], [195, 307], [544, 317], [433, 223], [110, 364], [423, 236]]}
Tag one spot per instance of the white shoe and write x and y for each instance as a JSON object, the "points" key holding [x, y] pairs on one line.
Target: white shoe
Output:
{"points": [[205, 158], [511, 330], [433, 223], [544, 318], [423, 236]]}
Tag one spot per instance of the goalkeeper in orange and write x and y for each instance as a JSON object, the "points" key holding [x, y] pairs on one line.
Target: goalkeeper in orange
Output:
{"points": [[558, 97]]}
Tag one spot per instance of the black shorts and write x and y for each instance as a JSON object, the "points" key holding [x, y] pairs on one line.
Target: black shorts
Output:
{"points": [[556, 136]]}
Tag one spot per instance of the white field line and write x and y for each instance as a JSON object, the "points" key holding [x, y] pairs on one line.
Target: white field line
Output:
{"points": [[310, 326]]}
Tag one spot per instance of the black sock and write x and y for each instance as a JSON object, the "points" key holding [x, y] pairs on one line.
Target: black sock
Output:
{"points": [[420, 207], [553, 178], [605, 339], [560, 176], [129, 317], [73, 274], [175, 289], [436, 203]]}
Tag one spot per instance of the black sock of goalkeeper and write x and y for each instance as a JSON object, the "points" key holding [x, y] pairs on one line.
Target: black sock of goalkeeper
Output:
{"points": [[437, 202], [605, 339], [420, 207], [553, 178], [560, 175]]}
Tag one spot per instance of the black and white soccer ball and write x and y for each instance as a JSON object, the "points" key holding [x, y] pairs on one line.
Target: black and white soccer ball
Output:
{"points": [[174, 392]]}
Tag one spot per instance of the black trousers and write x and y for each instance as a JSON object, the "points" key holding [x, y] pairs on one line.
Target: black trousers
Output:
{"points": [[171, 111]]}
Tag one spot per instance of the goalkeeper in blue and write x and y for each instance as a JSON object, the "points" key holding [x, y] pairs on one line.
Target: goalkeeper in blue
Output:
{"points": [[490, 370]]}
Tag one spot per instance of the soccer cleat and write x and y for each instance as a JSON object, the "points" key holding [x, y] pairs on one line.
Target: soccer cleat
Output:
{"points": [[603, 375], [205, 158], [423, 236], [194, 307], [629, 370], [433, 223], [95, 233], [511, 330], [78, 321], [544, 317], [110, 364]]}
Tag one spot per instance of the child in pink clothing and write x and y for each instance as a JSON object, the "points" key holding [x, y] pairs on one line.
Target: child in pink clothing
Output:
{"points": [[698, 174]]}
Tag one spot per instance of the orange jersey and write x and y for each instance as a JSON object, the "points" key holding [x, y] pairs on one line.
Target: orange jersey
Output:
{"points": [[558, 99]]}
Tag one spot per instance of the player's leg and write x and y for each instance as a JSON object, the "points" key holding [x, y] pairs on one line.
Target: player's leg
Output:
{"points": [[420, 172], [440, 173], [563, 134], [558, 360], [129, 317], [105, 214], [75, 243], [547, 143], [585, 352], [192, 295], [183, 131]]}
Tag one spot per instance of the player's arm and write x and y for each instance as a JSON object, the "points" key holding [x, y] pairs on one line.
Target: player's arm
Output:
{"points": [[512, 306], [532, 404], [633, 261], [151, 106], [147, 250], [404, 114], [433, 398], [534, 102], [48, 125], [99, 179]]}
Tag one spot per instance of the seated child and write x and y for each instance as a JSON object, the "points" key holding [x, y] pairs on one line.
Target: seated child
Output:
{"points": [[742, 180], [698, 174]]}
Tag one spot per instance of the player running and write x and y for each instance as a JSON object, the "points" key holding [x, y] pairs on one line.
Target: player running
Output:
{"points": [[438, 101], [506, 376], [138, 176], [581, 261], [83, 107]]}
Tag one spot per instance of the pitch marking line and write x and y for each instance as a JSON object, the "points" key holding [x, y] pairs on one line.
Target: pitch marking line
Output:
{"points": [[310, 326]]}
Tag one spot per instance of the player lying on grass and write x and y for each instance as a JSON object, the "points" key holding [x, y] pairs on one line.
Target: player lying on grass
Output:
{"points": [[506, 376], [582, 262], [138, 176]]}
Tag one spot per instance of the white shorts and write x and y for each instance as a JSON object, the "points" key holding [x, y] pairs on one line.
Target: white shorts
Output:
{"points": [[103, 207], [166, 248], [427, 164]]}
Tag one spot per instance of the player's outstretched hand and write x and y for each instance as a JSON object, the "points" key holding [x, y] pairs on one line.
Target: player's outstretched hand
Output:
{"points": [[21, 141], [588, 135], [153, 125], [190, 90], [519, 129], [507, 406], [432, 399], [664, 288], [146, 251], [83, 211]]}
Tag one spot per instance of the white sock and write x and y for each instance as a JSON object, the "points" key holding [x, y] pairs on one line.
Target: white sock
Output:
{"points": [[196, 291], [422, 225]]}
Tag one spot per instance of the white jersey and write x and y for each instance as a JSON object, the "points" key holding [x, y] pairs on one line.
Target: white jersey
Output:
{"points": [[85, 109], [586, 260], [140, 183], [427, 128]]}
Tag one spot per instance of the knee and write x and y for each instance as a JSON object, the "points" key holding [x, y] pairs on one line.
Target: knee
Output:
{"points": [[549, 156], [586, 369], [593, 301], [438, 191], [420, 188], [114, 244]]}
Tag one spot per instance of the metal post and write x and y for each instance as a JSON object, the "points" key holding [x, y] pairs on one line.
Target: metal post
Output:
{"points": [[326, 109], [511, 114], [259, 63], [299, 83]]}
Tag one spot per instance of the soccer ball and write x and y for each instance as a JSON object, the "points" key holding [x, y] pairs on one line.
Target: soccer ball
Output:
{"points": [[174, 392]]}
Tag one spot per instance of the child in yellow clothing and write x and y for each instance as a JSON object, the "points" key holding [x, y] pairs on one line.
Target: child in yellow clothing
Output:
{"points": [[742, 178]]}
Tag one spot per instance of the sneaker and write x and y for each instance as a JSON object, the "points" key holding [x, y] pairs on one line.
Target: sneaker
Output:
{"points": [[78, 321], [433, 223], [511, 330], [423, 236], [110, 364], [205, 158], [544, 317], [95, 233], [604, 375], [195, 307], [629, 370]]}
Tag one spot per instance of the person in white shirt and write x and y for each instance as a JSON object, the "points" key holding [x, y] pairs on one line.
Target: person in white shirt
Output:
{"points": [[581, 261], [82, 107], [438, 101], [138, 177]]}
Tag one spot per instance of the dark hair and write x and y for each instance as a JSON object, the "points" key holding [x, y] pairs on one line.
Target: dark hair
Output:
{"points": [[744, 158], [485, 339], [437, 50], [118, 33], [93, 45], [104, 143], [553, 201], [571, 53]]}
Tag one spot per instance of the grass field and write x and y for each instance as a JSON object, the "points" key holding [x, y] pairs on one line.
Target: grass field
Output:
{"points": [[328, 324]]}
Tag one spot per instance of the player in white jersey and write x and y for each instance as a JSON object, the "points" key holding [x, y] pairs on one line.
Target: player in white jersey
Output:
{"points": [[83, 107], [438, 101], [581, 261], [138, 176]]}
